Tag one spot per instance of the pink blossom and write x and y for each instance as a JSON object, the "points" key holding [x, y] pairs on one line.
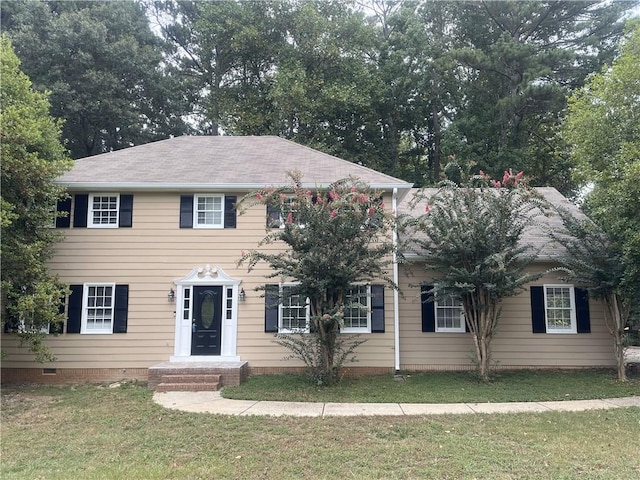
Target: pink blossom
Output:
{"points": [[519, 175], [309, 193], [353, 189], [333, 195], [289, 218], [334, 213], [283, 197], [427, 208], [496, 184], [505, 177], [259, 195], [381, 204], [371, 211], [481, 173]]}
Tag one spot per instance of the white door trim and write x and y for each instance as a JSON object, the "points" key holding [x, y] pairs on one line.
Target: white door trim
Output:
{"points": [[206, 276]]}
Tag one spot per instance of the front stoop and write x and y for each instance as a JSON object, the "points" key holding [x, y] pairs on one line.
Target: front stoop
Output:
{"points": [[196, 376]]}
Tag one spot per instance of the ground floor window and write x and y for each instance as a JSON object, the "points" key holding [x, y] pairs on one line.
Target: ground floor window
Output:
{"points": [[560, 311]]}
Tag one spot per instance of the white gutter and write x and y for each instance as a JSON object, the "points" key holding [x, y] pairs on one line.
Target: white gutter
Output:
{"points": [[185, 187], [396, 294]]}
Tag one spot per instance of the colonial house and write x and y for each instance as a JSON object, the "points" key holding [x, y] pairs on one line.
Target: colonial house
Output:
{"points": [[150, 250]]}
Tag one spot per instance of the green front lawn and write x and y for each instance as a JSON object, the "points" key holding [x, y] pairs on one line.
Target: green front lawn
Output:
{"points": [[92, 433], [443, 387]]}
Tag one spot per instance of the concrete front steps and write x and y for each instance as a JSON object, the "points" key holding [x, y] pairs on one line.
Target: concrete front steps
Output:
{"points": [[177, 382], [196, 376]]}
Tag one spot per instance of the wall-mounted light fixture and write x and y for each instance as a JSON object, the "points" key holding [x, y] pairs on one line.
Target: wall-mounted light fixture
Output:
{"points": [[171, 296], [242, 296]]}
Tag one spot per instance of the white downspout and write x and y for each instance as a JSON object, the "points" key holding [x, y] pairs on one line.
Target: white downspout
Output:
{"points": [[396, 294]]}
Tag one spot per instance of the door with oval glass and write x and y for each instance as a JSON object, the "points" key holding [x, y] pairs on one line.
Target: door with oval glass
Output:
{"points": [[207, 320]]}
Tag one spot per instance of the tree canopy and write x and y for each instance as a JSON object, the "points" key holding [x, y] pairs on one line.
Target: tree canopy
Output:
{"points": [[399, 86], [603, 131], [104, 68], [32, 156]]}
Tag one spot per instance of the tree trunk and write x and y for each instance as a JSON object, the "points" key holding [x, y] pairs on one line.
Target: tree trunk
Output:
{"points": [[616, 315]]}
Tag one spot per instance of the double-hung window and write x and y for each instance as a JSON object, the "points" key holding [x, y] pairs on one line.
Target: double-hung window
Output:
{"points": [[208, 211], [98, 308], [103, 210], [449, 315], [560, 310], [357, 310], [293, 311], [286, 311]]}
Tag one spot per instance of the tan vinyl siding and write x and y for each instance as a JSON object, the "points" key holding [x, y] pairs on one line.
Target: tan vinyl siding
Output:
{"points": [[149, 257], [514, 345]]}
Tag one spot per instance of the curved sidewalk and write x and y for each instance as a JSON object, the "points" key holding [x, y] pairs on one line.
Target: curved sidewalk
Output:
{"points": [[212, 402]]}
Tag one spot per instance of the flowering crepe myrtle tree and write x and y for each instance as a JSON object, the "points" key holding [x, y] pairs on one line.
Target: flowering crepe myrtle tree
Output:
{"points": [[333, 238], [471, 237]]}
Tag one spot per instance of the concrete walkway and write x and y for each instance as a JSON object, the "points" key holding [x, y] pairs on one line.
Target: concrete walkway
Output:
{"points": [[212, 402]]}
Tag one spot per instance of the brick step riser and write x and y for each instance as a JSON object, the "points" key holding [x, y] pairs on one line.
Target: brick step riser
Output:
{"points": [[187, 387], [195, 378]]}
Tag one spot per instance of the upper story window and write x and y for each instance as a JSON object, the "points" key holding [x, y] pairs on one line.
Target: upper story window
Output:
{"points": [[96, 210], [103, 210], [560, 310], [209, 211], [449, 315]]}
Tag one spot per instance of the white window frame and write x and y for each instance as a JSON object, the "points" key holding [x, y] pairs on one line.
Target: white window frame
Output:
{"points": [[366, 308], [438, 307], [573, 328], [196, 223], [90, 211], [84, 326], [281, 308]]}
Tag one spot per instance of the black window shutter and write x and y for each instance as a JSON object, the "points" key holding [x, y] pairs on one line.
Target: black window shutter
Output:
{"points": [[74, 312], [80, 210], [271, 302], [186, 211], [428, 309], [377, 309], [230, 211], [64, 206], [11, 323], [121, 309], [126, 211], [273, 216], [58, 328], [582, 310], [538, 322]]}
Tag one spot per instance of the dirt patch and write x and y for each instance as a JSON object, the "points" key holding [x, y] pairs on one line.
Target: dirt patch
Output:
{"points": [[25, 408]]}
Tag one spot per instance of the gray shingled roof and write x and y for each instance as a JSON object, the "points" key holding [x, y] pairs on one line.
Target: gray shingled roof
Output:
{"points": [[535, 235], [223, 162]]}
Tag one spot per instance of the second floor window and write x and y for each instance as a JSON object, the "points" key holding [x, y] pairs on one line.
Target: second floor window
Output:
{"points": [[209, 211], [103, 210]]}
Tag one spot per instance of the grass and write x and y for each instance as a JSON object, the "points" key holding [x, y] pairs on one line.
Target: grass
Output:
{"points": [[119, 433], [443, 387]]}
